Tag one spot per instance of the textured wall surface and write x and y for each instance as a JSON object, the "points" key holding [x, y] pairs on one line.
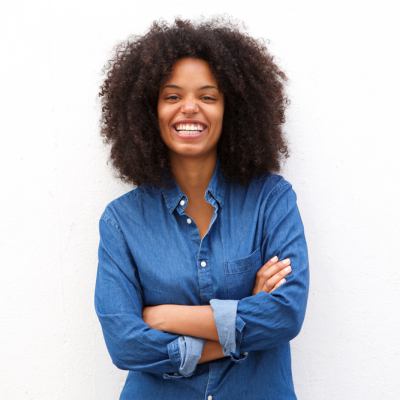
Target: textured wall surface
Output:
{"points": [[342, 61]]}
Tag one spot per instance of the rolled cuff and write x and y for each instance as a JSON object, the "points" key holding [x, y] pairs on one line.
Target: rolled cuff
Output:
{"points": [[225, 320], [191, 348], [184, 353], [237, 356], [175, 357]]}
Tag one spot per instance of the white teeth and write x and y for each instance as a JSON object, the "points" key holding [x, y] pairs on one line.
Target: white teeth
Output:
{"points": [[189, 127]]}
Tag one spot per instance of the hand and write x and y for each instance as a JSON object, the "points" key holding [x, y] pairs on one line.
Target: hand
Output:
{"points": [[154, 316], [271, 275]]}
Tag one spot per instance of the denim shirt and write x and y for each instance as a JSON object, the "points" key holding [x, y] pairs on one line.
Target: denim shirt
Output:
{"points": [[150, 253]]}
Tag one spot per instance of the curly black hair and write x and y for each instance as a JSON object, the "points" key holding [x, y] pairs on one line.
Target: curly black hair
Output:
{"points": [[252, 141]]}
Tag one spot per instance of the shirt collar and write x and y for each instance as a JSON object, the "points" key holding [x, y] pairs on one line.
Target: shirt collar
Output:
{"points": [[216, 187]]}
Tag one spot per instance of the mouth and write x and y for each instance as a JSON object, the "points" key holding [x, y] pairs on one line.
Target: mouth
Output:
{"points": [[189, 131]]}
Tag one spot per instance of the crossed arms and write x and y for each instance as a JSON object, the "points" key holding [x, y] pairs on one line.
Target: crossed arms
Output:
{"points": [[199, 321], [148, 338]]}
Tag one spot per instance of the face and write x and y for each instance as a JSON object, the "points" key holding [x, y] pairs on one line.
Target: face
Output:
{"points": [[190, 109]]}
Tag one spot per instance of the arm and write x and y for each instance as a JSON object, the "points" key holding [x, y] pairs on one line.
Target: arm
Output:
{"points": [[212, 351], [131, 343], [270, 319], [266, 320], [263, 320], [192, 321], [195, 321], [198, 322]]}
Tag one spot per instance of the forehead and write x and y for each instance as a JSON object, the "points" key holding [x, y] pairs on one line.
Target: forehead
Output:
{"points": [[192, 72]]}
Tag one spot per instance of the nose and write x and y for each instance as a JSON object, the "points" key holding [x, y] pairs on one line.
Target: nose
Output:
{"points": [[189, 107]]}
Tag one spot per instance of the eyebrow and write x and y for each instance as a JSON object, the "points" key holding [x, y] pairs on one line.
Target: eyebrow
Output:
{"points": [[178, 87]]}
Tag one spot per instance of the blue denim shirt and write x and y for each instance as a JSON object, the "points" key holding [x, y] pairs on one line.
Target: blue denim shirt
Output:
{"points": [[151, 253]]}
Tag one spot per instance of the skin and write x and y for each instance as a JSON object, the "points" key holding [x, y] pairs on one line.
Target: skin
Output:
{"points": [[192, 92], [192, 161], [199, 321]]}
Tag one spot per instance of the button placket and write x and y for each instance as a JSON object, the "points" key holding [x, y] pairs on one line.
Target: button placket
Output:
{"points": [[203, 259]]}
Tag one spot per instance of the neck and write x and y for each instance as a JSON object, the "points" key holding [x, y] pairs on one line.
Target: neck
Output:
{"points": [[193, 174]]}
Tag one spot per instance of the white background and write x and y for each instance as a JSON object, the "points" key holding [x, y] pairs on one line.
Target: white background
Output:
{"points": [[342, 59]]}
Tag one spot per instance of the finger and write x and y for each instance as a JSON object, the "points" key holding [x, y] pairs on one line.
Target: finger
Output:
{"points": [[264, 274], [274, 269], [271, 282], [270, 262], [259, 278], [281, 282]]}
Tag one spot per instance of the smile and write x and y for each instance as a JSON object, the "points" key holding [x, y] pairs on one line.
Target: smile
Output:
{"points": [[189, 131]]}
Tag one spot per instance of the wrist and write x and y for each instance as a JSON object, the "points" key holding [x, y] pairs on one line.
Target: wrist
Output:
{"points": [[212, 350]]}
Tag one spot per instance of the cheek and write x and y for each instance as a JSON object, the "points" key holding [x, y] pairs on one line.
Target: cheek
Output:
{"points": [[218, 115], [218, 119], [162, 121], [164, 115], [161, 111]]}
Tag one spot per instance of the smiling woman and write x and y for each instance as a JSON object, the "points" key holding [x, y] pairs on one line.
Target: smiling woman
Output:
{"points": [[190, 109], [202, 276], [251, 142]]}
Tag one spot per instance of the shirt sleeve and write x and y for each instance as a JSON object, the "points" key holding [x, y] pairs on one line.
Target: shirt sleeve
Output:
{"points": [[131, 343], [225, 317], [191, 349], [265, 320]]}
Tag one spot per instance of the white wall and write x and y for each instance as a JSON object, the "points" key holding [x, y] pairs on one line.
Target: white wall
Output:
{"points": [[342, 59]]}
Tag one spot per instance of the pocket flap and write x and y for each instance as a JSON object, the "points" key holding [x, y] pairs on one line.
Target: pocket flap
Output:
{"points": [[243, 264]]}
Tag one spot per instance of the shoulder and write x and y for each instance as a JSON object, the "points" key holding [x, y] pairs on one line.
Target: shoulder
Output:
{"points": [[122, 207], [272, 184]]}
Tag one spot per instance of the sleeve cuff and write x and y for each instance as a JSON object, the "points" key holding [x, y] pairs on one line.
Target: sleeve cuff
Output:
{"points": [[230, 328], [191, 349], [225, 320], [237, 356], [184, 352], [175, 357]]}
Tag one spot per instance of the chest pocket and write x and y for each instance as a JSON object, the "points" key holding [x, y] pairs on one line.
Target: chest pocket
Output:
{"points": [[240, 275]]}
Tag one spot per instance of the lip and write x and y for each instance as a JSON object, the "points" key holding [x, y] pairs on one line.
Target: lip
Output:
{"points": [[189, 121], [189, 137]]}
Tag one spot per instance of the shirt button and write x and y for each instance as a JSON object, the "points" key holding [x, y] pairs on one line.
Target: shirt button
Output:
{"points": [[189, 221], [182, 202], [203, 263], [209, 397]]}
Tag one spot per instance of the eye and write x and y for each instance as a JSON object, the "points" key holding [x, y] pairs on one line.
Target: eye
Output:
{"points": [[171, 97], [208, 98]]}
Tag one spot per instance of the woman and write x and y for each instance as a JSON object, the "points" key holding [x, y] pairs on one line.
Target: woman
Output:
{"points": [[203, 268]]}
